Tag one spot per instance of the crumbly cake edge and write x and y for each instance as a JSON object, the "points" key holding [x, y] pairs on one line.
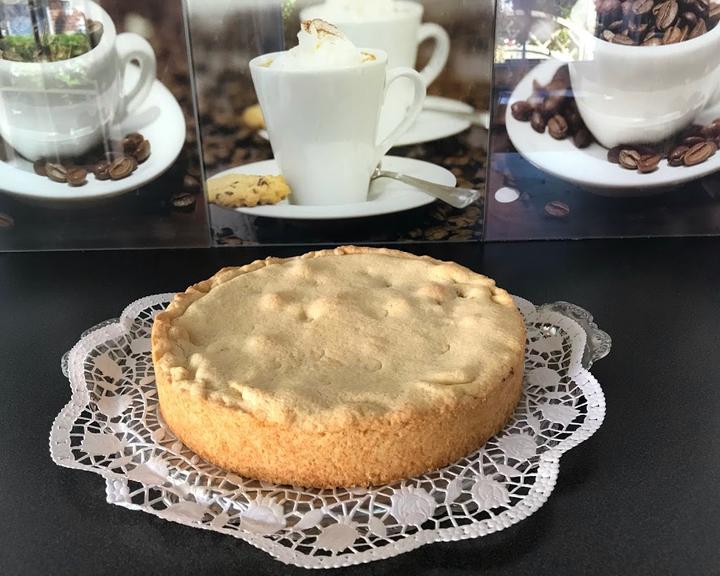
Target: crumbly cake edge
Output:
{"points": [[350, 457]]}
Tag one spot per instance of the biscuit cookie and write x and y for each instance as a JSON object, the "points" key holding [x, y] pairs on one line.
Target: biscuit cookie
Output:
{"points": [[235, 190]]}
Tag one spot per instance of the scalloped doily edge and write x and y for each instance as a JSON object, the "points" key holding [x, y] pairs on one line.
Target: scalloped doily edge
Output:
{"points": [[548, 468]]}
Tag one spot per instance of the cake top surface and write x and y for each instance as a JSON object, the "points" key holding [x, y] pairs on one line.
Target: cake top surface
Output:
{"points": [[334, 337]]}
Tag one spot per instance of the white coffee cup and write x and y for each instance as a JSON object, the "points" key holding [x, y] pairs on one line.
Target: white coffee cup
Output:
{"points": [[641, 94], [398, 34], [65, 108], [323, 124]]}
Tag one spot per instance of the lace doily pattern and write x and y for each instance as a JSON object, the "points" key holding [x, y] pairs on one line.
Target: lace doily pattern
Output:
{"points": [[112, 427]]}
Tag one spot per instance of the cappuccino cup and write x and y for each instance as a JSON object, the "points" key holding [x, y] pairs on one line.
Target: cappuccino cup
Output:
{"points": [[396, 28], [323, 123], [64, 108], [641, 94]]}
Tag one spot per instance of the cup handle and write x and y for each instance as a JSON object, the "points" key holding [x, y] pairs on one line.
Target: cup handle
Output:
{"points": [[440, 54], [134, 48], [412, 112]]}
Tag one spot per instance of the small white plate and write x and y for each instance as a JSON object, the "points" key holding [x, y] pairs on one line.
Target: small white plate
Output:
{"points": [[445, 119], [159, 119], [589, 167], [386, 196]]}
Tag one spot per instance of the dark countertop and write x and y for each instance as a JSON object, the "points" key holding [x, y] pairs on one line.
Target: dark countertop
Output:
{"points": [[638, 498]]}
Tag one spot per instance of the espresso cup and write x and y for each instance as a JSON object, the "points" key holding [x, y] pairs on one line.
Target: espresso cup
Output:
{"points": [[323, 124], [398, 35], [51, 109], [641, 94]]}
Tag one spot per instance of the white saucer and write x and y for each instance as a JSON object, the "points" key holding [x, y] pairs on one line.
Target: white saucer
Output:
{"points": [[159, 119], [386, 196], [431, 124], [589, 167]]}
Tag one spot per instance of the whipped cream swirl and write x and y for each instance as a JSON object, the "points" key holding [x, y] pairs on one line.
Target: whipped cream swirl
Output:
{"points": [[320, 45]]}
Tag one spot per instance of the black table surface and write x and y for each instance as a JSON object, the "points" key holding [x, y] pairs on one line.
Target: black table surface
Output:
{"points": [[640, 497]]}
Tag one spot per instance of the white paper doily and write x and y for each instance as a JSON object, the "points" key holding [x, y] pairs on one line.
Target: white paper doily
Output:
{"points": [[112, 427]]}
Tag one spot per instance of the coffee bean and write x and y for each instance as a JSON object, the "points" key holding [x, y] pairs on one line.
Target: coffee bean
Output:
{"points": [[692, 140], [698, 30], [642, 7], [636, 30], [56, 172], [616, 26], [623, 39], [651, 33], [521, 110], [629, 159], [674, 34], [122, 167], [557, 127], [607, 7], [557, 209], [142, 152], [608, 35], [690, 18], [582, 138], [648, 163], [653, 42], [553, 105], [537, 121], [183, 201], [613, 154], [573, 119], [714, 14], [40, 167], [77, 176], [700, 7], [131, 142], [666, 13], [6, 221], [692, 130], [677, 155], [699, 153], [712, 130], [102, 170]]}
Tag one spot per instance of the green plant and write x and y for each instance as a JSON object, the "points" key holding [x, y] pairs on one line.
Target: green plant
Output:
{"points": [[52, 47]]}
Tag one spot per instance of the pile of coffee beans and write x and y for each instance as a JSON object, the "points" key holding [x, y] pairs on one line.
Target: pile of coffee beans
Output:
{"points": [[552, 108], [654, 22], [694, 145], [118, 164]]}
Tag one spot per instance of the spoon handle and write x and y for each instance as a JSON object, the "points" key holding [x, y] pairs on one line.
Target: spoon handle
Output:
{"points": [[457, 197], [475, 117]]}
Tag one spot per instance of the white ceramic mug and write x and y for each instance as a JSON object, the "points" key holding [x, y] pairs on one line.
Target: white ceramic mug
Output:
{"points": [[65, 108], [399, 35], [641, 94], [323, 124]]}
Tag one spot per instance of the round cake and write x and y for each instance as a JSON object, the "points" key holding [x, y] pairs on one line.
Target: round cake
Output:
{"points": [[346, 367]]}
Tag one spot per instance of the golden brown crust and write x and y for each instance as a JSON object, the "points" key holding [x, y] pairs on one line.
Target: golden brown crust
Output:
{"points": [[379, 448], [355, 456]]}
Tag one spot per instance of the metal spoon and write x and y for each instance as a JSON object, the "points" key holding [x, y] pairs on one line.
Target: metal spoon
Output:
{"points": [[457, 197]]}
